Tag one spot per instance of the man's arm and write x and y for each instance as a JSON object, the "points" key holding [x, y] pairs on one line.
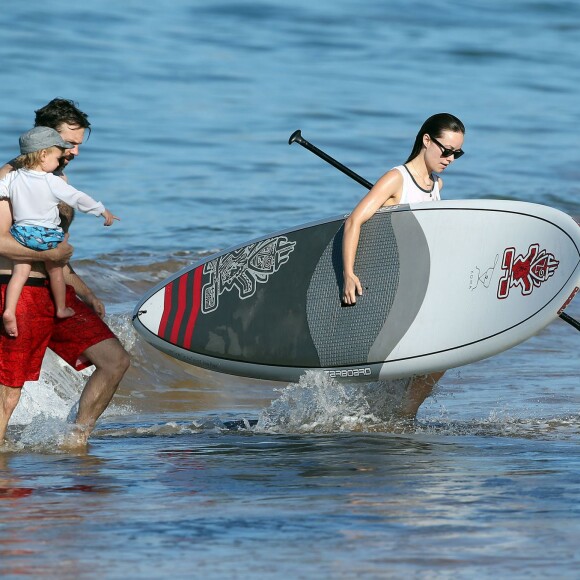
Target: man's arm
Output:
{"points": [[83, 291], [11, 249], [6, 169]]}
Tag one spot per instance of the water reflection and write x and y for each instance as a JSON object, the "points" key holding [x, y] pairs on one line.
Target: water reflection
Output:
{"points": [[48, 500]]}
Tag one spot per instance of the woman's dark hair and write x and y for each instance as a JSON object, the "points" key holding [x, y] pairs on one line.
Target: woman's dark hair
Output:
{"points": [[60, 111], [434, 126]]}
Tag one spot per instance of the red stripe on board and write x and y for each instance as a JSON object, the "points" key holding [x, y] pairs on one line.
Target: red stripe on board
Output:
{"points": [[166, 310], [181, 294], [197, 278]]}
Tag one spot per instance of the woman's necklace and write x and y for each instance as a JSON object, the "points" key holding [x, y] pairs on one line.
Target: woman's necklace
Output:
{"points": [[423, 181]]}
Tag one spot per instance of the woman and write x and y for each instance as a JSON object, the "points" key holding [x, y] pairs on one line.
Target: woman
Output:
{"points": [[438, 143]]}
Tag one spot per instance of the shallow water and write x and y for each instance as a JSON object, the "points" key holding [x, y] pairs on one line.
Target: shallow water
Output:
{"points": [[192, 473], [332, 505]]}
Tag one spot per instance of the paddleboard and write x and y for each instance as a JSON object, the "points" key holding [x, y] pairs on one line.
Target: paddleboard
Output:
{"points": [[445, 284]]}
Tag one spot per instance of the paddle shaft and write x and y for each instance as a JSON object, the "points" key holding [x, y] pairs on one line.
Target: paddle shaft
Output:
{"points": [[571, 321], [296, 137]]}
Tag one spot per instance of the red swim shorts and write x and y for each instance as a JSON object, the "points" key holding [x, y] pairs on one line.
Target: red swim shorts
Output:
{"points": [[21, 357]]}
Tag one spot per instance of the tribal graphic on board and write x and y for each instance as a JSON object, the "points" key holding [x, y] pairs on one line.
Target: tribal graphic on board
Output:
{"points": [[526, 271], [244, 269]]}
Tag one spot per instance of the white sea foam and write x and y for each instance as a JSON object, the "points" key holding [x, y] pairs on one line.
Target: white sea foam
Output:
{"points": [[47, 407], [53, 395], [318, 403]]}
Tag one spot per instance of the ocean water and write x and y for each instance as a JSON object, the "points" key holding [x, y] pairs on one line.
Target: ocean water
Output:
{"points": [[191, 473]]}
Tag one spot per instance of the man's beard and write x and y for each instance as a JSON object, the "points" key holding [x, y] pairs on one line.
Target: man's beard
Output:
{"points": [[64, 161]]}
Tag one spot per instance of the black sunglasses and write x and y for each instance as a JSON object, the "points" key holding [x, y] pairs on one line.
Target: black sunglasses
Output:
{"points": [[457, 153]]}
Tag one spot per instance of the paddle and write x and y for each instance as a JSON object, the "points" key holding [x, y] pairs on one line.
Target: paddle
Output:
{"points": [[296, 137], [572, 321]]}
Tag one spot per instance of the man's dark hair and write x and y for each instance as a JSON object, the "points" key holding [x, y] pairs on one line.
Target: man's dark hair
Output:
{"points": [[60, 111]]}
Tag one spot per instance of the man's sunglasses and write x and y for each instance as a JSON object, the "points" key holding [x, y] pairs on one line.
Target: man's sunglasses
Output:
{"points": [[445, 152]]}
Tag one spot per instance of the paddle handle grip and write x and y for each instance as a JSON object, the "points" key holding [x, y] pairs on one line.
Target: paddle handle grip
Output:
{"points": [[296, 137]]}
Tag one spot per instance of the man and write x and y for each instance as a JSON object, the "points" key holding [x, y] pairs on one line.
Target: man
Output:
{"points": [[81, 340]]}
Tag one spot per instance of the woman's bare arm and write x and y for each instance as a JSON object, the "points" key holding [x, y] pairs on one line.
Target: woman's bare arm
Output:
{"points": [[387, 191]]}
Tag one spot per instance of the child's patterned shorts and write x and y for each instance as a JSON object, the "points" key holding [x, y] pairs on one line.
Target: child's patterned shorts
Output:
{"points": [[37, 237]]}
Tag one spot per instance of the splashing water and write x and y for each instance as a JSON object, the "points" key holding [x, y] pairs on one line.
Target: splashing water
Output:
{"points": [[320, 404], [53, 395], [47, 407]]}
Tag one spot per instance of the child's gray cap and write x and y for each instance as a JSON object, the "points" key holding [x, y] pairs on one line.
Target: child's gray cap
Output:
{"points": [[41, 138]]}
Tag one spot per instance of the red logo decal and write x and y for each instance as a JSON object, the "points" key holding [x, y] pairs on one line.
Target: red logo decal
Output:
{"points": [[528, 272]]}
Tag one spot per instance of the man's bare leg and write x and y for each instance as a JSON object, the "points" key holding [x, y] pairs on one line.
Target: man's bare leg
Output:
{"points": [[417, 391], [9, 397], [111, 363]]}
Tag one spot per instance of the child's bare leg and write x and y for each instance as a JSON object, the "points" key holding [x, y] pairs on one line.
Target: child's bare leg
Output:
{"points": [[58, 288], [20, 274]]}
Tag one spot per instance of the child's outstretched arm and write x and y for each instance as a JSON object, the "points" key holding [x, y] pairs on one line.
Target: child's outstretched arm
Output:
{"points": [[109, 218], [76, 198]]}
